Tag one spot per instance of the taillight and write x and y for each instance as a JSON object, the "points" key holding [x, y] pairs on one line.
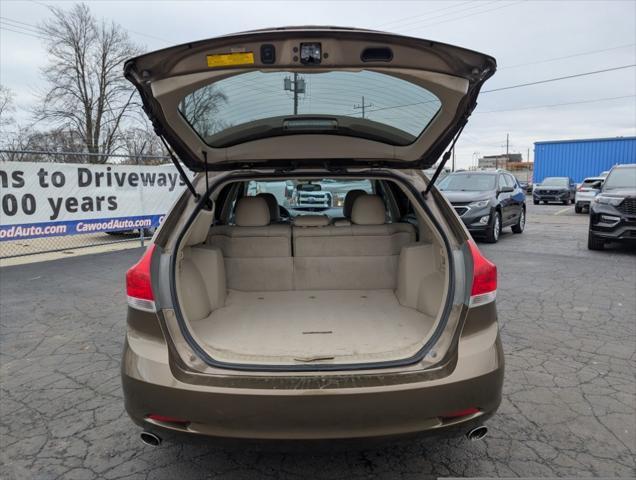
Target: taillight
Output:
{"points": [[138, 285], [484, 278]]}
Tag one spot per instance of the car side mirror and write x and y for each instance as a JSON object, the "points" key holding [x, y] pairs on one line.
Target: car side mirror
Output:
{"points": [[506, 189]]}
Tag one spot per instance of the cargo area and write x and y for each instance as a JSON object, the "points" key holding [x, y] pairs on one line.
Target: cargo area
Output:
{"points": [[262, 291]]}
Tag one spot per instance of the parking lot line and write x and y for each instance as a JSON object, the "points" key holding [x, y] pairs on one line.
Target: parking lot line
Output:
{"points": [[563, 210]]}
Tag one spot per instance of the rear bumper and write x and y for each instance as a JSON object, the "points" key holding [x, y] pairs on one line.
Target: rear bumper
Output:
{"points": [[583, 198], [316, 414]]}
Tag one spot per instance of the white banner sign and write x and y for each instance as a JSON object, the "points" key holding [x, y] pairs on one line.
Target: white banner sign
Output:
{"points": [[53, 199]]}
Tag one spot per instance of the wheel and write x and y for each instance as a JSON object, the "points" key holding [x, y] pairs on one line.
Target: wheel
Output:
{"points": [[566, 202], [536, 202], [521, 222], [578, 208], [545, 202], [573, 201], [493, 232], [594, 243]]}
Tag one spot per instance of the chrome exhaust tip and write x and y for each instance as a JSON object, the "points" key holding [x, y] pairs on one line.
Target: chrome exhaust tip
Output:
{"points": [[477, 433], [150, 439]]}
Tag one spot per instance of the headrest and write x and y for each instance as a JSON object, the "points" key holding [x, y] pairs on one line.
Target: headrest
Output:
{"points": [[350, 199], [311, 221], [252, 212], [272, 203], [198, 231], [368, 210]]}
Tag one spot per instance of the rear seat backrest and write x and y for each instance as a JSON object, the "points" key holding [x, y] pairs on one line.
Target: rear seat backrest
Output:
{"points": [[360, 256], [347, 208], [257, 255]]}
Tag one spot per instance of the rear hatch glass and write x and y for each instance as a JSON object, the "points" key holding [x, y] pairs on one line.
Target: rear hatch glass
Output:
{"points": [[363, 103]]}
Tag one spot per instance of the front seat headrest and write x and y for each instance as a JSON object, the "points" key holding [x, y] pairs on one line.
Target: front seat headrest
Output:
{"points": [[252, 212], [272, 203], [349, 200], [368, 210]]}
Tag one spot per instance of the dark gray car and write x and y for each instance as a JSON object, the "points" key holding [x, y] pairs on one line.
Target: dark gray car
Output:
{"points": [[555, 189], [486, 202]]}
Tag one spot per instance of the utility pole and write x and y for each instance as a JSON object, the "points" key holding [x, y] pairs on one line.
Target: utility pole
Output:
{"points": [[297, 85], [295, 93], [362, 106], [453, 164]]}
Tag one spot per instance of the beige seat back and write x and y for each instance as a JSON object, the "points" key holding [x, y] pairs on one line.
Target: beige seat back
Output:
{"points": [[257, 254], [363, 255]]}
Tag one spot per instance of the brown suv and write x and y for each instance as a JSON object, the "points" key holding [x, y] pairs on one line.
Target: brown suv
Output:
{"points": [[253, 316]]}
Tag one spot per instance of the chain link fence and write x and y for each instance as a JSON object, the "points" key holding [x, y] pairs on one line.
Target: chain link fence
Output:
{"points": [[139, 232]]}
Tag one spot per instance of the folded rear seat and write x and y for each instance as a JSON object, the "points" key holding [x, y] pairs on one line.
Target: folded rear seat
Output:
{"points": [[360, 256], [257, 255]]}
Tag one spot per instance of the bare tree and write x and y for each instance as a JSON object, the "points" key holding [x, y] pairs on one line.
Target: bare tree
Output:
{"points": [[87, 93], [141, 143], [201, 108], [6, 106]]}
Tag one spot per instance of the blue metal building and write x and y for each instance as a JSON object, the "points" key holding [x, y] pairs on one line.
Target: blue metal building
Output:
{"points": [[579, 159]]}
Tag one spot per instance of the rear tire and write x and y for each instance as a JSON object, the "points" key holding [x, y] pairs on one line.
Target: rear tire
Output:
{"points": [[536, 202], [566, 202], [521, 222], [594, 243], [493, 232], [578, 208]]}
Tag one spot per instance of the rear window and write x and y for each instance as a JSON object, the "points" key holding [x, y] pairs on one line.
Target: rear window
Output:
{"points": [[590, 181], [261, 104], [325, 195]]}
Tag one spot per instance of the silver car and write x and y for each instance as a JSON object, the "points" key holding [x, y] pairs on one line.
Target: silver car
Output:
{"points": [[586, 192]]}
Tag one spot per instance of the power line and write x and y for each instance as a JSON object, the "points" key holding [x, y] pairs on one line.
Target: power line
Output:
{"points": [[434, 17], [590, 52], [399, 20], [559, 104], [462, 17], [48, 6], [4, 27], [558, 78]]}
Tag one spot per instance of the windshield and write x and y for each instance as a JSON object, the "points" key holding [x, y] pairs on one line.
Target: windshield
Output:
{"points": [[326, 195], [621, 178], [258, 104], [555, 182], [476, 182]]}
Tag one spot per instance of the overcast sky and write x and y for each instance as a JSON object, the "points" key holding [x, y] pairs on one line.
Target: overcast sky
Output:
{"points": [[529, 39]]}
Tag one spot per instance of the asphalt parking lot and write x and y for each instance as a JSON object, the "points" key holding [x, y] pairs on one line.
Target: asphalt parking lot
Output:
{"points": [[569, 407]]}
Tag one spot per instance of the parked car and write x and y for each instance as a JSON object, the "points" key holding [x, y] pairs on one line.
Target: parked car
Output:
{"points": [[486, 202], [554, 189], [524, 184], [613, 211], [586, 192], [382, 324]]}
